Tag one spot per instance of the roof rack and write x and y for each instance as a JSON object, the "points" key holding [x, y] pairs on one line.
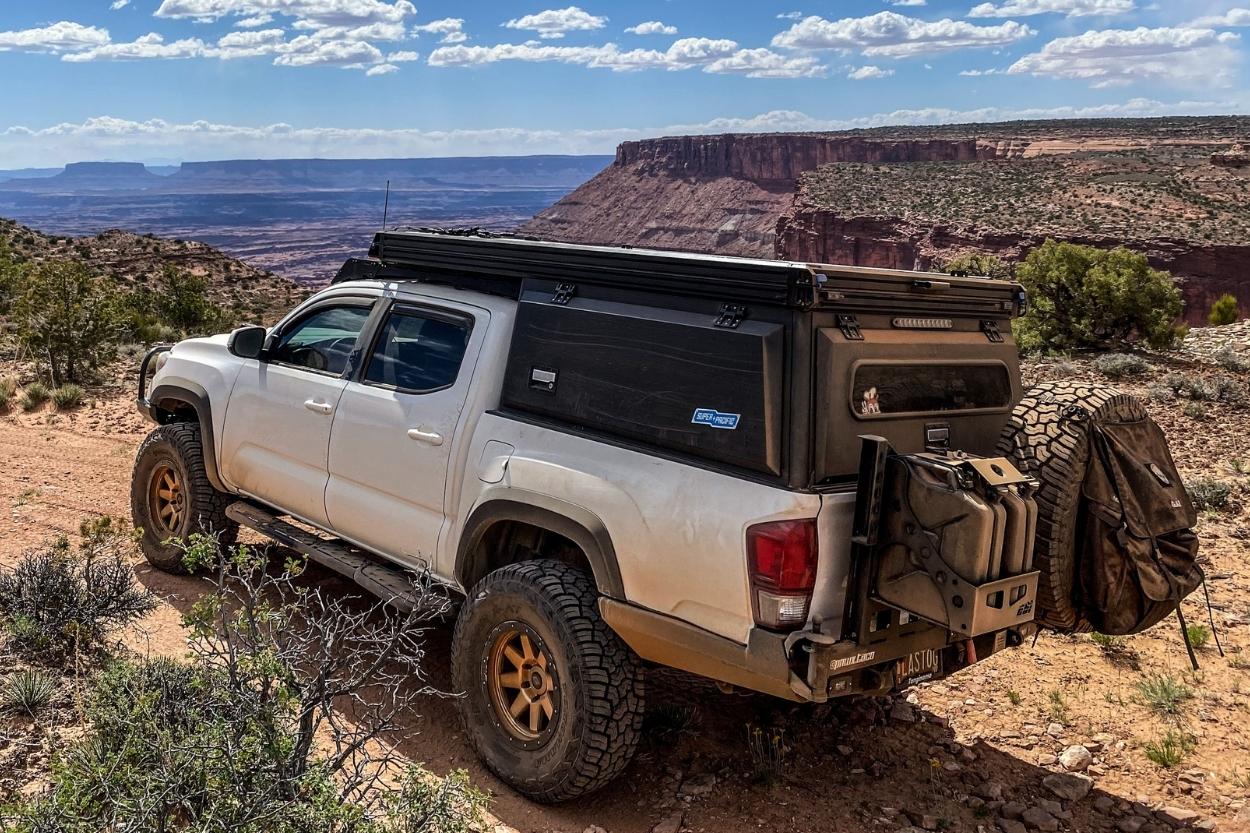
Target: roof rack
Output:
{"points": [[472, 258]]}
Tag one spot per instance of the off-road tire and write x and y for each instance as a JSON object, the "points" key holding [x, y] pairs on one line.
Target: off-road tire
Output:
{"points": [[1046, 438], [598, 721], [178, 447]]}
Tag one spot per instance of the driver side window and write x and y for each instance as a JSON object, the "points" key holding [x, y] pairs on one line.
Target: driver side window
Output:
{"points": [[323, 340]]}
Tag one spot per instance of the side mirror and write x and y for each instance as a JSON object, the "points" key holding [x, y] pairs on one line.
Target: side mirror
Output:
{"points": [[247, 342]]}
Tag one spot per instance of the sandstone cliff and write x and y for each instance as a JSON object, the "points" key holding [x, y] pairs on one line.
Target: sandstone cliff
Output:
{"points": [[915, 197]]}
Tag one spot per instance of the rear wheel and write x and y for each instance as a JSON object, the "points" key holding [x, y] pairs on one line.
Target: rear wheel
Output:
{"points": [[552, 698], [171, 496], [1046, 437]]}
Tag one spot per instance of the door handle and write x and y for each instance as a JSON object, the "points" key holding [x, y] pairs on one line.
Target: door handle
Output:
{"points": [[427, 437], [318, 407]]}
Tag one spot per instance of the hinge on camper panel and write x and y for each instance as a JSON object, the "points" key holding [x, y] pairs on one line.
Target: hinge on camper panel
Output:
{"points": [[731, 315], [849, 325], [990, 328], [564, 293]]}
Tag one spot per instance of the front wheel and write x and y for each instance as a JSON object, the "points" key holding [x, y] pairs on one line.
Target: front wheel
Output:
{"points": [[552, 698], [171, 496]]}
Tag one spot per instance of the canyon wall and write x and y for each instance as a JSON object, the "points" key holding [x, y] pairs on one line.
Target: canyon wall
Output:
{"points": [[739, 194], [725, 193], [810, 234]]}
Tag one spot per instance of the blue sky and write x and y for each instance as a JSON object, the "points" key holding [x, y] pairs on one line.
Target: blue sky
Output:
{"points": [[173, 80]]}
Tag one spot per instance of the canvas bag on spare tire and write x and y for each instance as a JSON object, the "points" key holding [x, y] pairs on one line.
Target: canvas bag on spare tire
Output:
{"points": [[1139, 552]]}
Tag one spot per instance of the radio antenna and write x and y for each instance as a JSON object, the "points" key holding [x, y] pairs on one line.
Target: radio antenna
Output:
{"points": [[386, 205]]}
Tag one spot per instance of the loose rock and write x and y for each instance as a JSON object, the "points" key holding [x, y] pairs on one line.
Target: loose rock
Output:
{"points": [[1068, 786], [1076, 758]]}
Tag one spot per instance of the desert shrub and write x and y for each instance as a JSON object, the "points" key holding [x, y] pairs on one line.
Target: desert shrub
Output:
{"points": [[1208, 493], [34, 395], [1198, 635], [1170, 749], [1228, 389], [247, 735], [1160, 393], [769, 751], [1121, 365], [1164, 694], [1224, 311], [1232, 361], [1082, 297], [28, 691], [67, 397], [978, 265], [178, 306], [1195, 410], [66, 316], [56, 599]]}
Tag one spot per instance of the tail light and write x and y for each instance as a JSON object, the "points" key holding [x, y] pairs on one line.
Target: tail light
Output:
{"points": [[782, 560]]}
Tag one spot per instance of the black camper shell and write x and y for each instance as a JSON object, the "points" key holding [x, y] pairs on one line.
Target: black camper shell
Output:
{"points": [[764, 369]]}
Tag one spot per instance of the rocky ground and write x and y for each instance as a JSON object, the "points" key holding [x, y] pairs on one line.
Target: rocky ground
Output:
{"points": [[1056, 735]]}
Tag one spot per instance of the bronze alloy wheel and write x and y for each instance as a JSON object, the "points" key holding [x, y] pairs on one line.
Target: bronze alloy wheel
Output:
{"points": [[167, 500], [522, 683]]}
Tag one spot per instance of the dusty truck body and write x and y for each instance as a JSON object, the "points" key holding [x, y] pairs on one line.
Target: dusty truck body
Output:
{"points": [[781, 476]]}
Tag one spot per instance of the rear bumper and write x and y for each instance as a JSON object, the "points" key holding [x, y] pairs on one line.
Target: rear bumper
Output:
{"points": [[807, 666]]}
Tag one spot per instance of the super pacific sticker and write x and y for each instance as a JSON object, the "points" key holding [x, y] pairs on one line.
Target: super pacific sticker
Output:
{"points": [[715, 419]]}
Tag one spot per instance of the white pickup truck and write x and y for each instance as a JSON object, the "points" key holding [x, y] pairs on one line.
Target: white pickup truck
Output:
{"points": [[779, 476]]}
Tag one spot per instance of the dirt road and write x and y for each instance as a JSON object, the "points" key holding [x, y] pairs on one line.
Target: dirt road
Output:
{"points": [[966, 753]]}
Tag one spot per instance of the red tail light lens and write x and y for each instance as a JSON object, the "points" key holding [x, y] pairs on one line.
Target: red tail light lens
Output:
{"points": [[782, 556]]}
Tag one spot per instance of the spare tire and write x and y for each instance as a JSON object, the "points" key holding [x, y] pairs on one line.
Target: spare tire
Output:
{"points": [[1046, 438]]}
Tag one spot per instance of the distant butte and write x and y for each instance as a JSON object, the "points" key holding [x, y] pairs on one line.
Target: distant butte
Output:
{"points": [[1177, 189]]}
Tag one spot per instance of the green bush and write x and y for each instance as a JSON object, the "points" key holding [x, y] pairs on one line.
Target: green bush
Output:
{"points": [[1120, 365], [67, 397], [978, 265], [56, 601], [1081, 297], [1224, 311], [249, 735], [1207, 493], [28, 691], [34, 395], [66, 316], [178, 306], [1170, 749]]}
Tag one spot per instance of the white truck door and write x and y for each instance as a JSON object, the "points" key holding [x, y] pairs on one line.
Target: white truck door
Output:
{"points": [[277, 429], [395, 429]]}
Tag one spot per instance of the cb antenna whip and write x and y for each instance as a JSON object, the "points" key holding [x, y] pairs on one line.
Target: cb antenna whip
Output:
{"points": [[386, 205]]}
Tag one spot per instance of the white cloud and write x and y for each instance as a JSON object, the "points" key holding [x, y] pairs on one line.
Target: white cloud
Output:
{"points": [[119, 4], [106, 137], [151, 45], [64, 36], [685, 53], [555, 23], [652, 27], [381, 69], [1198, 57], [403, 57], [319, 12], [764, 63], [459, 56], [350, 54], [1230, 18], [980, 73], [890, 34], [1071, 8], [451, 28], [906, 2], [790, 16], [869, 72], [254, 22]]}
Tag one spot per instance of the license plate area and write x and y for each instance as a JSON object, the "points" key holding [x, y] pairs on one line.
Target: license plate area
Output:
{"points": [[917, 667]]}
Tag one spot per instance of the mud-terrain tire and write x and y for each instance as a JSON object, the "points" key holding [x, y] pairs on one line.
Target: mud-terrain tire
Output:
{"points": [[594, 682], [1046, 437], [175, 452]]}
